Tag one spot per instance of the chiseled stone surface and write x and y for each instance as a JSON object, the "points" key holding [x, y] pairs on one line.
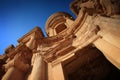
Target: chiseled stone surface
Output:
{"points": [[85, 48]]}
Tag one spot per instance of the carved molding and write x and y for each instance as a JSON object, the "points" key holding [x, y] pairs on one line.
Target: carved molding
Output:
{"points": [[104, 7], [86, 37], [37, 29]]}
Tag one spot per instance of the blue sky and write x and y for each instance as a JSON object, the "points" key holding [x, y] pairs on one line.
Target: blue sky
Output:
{"points": [[17, 17]]}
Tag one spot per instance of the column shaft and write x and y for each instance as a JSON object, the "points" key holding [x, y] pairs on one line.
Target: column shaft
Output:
{"points": [[58, 72]]}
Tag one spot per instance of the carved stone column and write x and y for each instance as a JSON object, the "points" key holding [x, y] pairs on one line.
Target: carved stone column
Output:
{"points": [[38, 67], [58, 72]]}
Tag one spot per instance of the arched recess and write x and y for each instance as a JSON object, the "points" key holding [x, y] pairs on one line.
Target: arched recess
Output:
{"points": [[56, 23]]}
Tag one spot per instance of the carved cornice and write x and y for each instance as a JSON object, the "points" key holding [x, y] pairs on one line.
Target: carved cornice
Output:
{"points": [[36, 29], [87, 34], [58, 38], [52, 40], [67, 46], [59, 50]]}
